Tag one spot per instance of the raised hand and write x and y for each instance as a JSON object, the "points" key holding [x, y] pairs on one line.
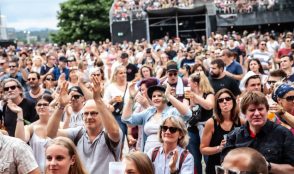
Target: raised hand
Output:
{"points": [[96, 88], [132, 90], [173, 160], [168, 90], [63, 96], [61, 79]]}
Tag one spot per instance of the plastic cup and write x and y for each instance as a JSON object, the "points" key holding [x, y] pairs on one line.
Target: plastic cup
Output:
{"points": [[117, 168], [187, 91]]}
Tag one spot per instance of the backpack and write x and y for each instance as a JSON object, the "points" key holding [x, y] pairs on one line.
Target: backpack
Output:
{"points": [[107, 140], [183, 156]]}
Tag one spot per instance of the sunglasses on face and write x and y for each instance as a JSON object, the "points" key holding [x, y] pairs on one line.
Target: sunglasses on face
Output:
{"points": [[93, 114], [289, 98], [10, 87], [271, 82], [50, 79], [42, 104], [173, 74], [75, 97], [11, 66], [171, 129], [31, 79], [221, 170], [2, 64], [221, 100]]}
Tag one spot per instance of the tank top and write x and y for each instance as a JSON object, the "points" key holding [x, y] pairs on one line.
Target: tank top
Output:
{"points": [[216, 139]]}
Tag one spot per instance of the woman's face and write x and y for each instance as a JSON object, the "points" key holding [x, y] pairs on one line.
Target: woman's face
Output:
{"points": [[170, 135], [38, 62], [42, 107], [157, 98], [225, 102], [253, 66], [58, 160], [192, 84], [146, 72], [73, 75], [131, 167], [143, 90], [121, 74], [287, 102]]}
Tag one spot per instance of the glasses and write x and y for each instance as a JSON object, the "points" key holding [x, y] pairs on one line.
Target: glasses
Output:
{"points": [[50, 79], [173, 74], [93, 114], [75, 97], [271, 82], [289, 98], [31, 79], [2, 63], [171, 129], [288, 40], [221, 100], [221, 170], [11, 66], [96, 75], [43, 104], [10, 87]]}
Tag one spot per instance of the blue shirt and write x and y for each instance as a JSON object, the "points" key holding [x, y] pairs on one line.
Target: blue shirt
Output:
{"points": [[57, 73], [143, 117], [234, 68]]}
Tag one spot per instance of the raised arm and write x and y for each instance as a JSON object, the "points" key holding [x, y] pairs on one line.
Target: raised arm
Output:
{"points": [[54, 121], [108, 120], [127, 111]]}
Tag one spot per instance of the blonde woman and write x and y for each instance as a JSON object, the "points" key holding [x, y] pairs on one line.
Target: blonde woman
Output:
{"points": [[201, 101]]}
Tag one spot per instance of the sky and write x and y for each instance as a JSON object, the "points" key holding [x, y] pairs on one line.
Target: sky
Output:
{"points": [[24, 14]]}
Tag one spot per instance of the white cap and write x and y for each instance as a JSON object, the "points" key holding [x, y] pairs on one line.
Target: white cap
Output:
{"points": [[244, 80]]}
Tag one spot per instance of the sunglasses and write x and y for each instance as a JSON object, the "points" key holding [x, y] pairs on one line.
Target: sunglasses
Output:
{"points": [[173, 74], [11, 66], [93, 114], [43, 104], [75, 97], [289, 98], [2, 64], [31, 79], [171, 129], [221, 100], [50, 79], [221, 170], [10, 87], [271, 82]]}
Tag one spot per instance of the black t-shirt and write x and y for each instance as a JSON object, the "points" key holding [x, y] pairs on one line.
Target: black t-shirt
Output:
{"points": [[45, 69], [187, 61], [132, 70], [29, 114], [225, 82]]}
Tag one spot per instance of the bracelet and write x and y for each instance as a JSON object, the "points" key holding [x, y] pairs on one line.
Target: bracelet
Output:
{"points": [[20, 119]]}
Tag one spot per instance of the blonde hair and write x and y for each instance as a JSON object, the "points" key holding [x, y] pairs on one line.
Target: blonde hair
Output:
{"points": [[114, 74], [142, 162], [178, 123], [77, 167], [203, 82]]}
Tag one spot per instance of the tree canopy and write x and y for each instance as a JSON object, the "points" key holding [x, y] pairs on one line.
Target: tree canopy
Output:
{"points": [[83, 20]]}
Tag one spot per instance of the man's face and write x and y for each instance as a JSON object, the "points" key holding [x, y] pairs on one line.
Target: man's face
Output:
{"points": [[3, 63], [52, 60], [286, 63], [11, 90], [77, 99], [33, 81], [62, 64], [214, 71], [124, 61], [253, 84], [288, 42], [91, 117], [287, 102], [256, 115], [236, 162], [272, 81], [172, 77], [12, 68], [262, 46]]}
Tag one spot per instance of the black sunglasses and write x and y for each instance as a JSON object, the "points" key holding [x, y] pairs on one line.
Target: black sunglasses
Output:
{"points": [[271, 82], [171, 129], [221, 100], [2, 63], [50, 79], [42, 104], [289, 98], [173, 74], [11, 66], [33, 79], [76, 97], [10, 87]]}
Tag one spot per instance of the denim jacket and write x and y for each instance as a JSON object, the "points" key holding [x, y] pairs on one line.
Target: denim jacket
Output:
{"points": [[143, 117]]}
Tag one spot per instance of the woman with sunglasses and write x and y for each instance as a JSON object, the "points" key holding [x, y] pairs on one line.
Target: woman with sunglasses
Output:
{"points": [[151, 117], [48, 83], [200, 98], [226, 118], [34, 133], [171, 157]]}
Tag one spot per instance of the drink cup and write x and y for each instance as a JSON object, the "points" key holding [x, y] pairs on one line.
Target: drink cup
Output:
{"points": [[225, 137], [118, 99], [117, 168], [187, 91]]}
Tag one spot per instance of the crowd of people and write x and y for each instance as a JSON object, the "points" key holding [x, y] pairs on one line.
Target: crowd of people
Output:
{"points": [[224, 104]]}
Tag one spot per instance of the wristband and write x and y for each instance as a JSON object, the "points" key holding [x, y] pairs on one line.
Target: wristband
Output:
{"points": [[20, 119]]}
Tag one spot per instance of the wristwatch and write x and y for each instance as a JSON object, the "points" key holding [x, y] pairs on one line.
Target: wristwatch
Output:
{"points": [[269, 166]]}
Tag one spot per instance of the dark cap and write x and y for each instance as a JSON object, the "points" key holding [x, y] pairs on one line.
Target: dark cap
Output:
{"points": [[151, 89], [62, 59], [77, 89], [172, 67]]}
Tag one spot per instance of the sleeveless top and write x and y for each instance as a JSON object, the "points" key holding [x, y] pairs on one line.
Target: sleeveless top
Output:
{"points": [[38, 146], [216, 139], [151, 129]]}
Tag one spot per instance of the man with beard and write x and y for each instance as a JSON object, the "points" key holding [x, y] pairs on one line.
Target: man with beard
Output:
{"points": [[13, 91], [219, 80], [35, 91]]}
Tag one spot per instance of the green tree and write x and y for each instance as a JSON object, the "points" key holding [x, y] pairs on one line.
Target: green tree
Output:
{"points": [[83, 19]]}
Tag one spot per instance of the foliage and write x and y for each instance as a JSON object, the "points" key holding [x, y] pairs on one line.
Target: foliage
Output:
{"points": [[83, 20]]}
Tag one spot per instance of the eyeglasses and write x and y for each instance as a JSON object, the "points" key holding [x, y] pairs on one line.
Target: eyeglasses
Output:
{"points": [[31, 79], [43, 104], [96, 75], [10, 87], [171, 129], [288, 40], [271, 82], [93, 114], [50, 79], [221, 100], [221, 170], [262, 44], [289, 98], [2, 63], [75, 97], [173, 74], [11, 66]]}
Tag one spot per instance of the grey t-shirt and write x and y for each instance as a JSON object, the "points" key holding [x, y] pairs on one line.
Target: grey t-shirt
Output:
{"points": [[96, 155]]}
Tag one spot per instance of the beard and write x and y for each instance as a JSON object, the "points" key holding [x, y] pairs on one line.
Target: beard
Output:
{"points": [[214, 75]]}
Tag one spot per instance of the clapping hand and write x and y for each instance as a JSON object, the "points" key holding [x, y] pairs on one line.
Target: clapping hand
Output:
{"points": [[13, 107], [173, 160]]}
